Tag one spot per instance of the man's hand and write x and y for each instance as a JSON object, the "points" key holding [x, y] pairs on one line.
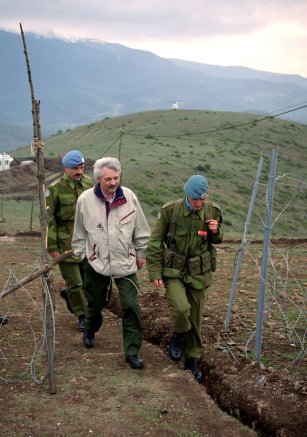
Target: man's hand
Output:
{"points": [[157, 282], [54, 254], [212, 225], [140, 262]]}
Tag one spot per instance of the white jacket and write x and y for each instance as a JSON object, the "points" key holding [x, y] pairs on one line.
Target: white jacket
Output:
{"points": [[111, 244]]}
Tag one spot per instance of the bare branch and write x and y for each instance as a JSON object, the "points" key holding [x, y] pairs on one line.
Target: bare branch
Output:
{"points": [[43, 270]]}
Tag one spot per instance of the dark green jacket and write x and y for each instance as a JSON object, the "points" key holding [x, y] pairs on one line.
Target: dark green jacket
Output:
{"points": [[188, 242], [61, 199]]}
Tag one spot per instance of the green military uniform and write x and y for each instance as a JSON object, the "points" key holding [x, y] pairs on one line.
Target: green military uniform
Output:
{"points": [[187, 272], [61, 198]]}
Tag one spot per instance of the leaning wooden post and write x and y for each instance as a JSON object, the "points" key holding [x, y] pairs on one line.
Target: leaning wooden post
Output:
{"points": [[41, 271], [48, 297]]}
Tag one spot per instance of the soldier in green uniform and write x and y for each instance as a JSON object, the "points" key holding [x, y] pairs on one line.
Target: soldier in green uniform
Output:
{"points": [[61, 199], [181, 256]]}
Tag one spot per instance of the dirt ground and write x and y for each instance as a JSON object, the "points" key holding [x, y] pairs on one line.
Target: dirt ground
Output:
{"points": [[27, 177], [98, 393]]}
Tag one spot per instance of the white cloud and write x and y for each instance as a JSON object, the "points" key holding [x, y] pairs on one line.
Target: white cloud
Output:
{"points": [[267, 34]]}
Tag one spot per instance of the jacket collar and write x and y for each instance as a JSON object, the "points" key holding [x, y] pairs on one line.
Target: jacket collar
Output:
{"points": [[119, 199]]}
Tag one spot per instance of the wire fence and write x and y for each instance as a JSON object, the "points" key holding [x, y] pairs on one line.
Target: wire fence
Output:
{"points": [[284, 312], [23, 343], [23, 335]]}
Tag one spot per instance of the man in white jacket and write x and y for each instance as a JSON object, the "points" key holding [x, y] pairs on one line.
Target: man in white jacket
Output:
{"points": [[111, 235]]}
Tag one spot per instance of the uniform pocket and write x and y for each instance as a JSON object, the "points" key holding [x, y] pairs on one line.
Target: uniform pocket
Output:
{"points": [[180, 238], [199, 264], [194, 265], [67, 207], [174, 260], [126, 227], [205, 261]]}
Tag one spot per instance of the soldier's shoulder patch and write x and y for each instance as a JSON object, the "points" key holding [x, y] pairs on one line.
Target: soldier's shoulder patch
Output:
{"points": [[216, 205], [168, 204], [55, 182], [88, 183]]}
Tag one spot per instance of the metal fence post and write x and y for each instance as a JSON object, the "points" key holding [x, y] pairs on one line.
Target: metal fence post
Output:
{"points": [[264, 259]]}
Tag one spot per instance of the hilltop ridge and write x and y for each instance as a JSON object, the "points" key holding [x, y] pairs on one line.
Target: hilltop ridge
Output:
{"points": [[84, 81], [159, 150]]}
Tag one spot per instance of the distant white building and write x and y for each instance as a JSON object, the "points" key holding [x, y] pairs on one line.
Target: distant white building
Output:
{"points": [[176, 105], [5, 161]]}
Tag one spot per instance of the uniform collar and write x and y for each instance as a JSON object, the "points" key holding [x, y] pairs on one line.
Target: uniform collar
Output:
{"points": [[73, 183], [188, 210]]}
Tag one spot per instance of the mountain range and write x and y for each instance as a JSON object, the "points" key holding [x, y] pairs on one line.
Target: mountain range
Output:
{"points": [[84, 81]]}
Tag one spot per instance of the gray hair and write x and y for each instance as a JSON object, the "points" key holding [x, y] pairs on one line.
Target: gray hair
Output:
{"points": [[112, 163]]}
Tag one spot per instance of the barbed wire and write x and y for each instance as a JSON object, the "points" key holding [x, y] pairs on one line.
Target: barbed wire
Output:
{"points": [[285, 306], [286, 295], [133, 131], [219, 129], [38, 343]]}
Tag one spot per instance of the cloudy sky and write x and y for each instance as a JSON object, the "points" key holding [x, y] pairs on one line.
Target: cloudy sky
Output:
{"points": [[269, 35]]}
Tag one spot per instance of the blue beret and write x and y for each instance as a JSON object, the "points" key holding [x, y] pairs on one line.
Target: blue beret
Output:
{"points": [[196, 187], [73, 159]]}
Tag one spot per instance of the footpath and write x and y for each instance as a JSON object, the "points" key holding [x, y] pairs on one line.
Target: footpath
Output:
{"points": [[98, 394], [162, 399]]}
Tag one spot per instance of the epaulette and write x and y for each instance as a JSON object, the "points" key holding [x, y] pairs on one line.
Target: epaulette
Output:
{"points": [[170, 203], [55, 182], [87, 177], [216, 205]]}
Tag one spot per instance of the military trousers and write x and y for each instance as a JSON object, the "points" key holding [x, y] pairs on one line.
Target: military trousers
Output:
{"points": [[186, 308], [98, 292], [72, 274]]}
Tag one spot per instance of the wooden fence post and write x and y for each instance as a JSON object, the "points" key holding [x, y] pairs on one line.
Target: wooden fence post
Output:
{"points": [[49, 298]]}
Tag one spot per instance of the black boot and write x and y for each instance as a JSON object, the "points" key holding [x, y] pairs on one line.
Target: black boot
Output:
{"points": [[135, 361], [176, 346], [89, 339], [4, 320], [64, 295], [189, 363]]}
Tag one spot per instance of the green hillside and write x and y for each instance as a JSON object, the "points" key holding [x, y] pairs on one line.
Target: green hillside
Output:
{"points": [[159, 150]]}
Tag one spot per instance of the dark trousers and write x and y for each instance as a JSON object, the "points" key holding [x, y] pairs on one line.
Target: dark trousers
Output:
{"points": [[98, 292], [72, 274]]}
